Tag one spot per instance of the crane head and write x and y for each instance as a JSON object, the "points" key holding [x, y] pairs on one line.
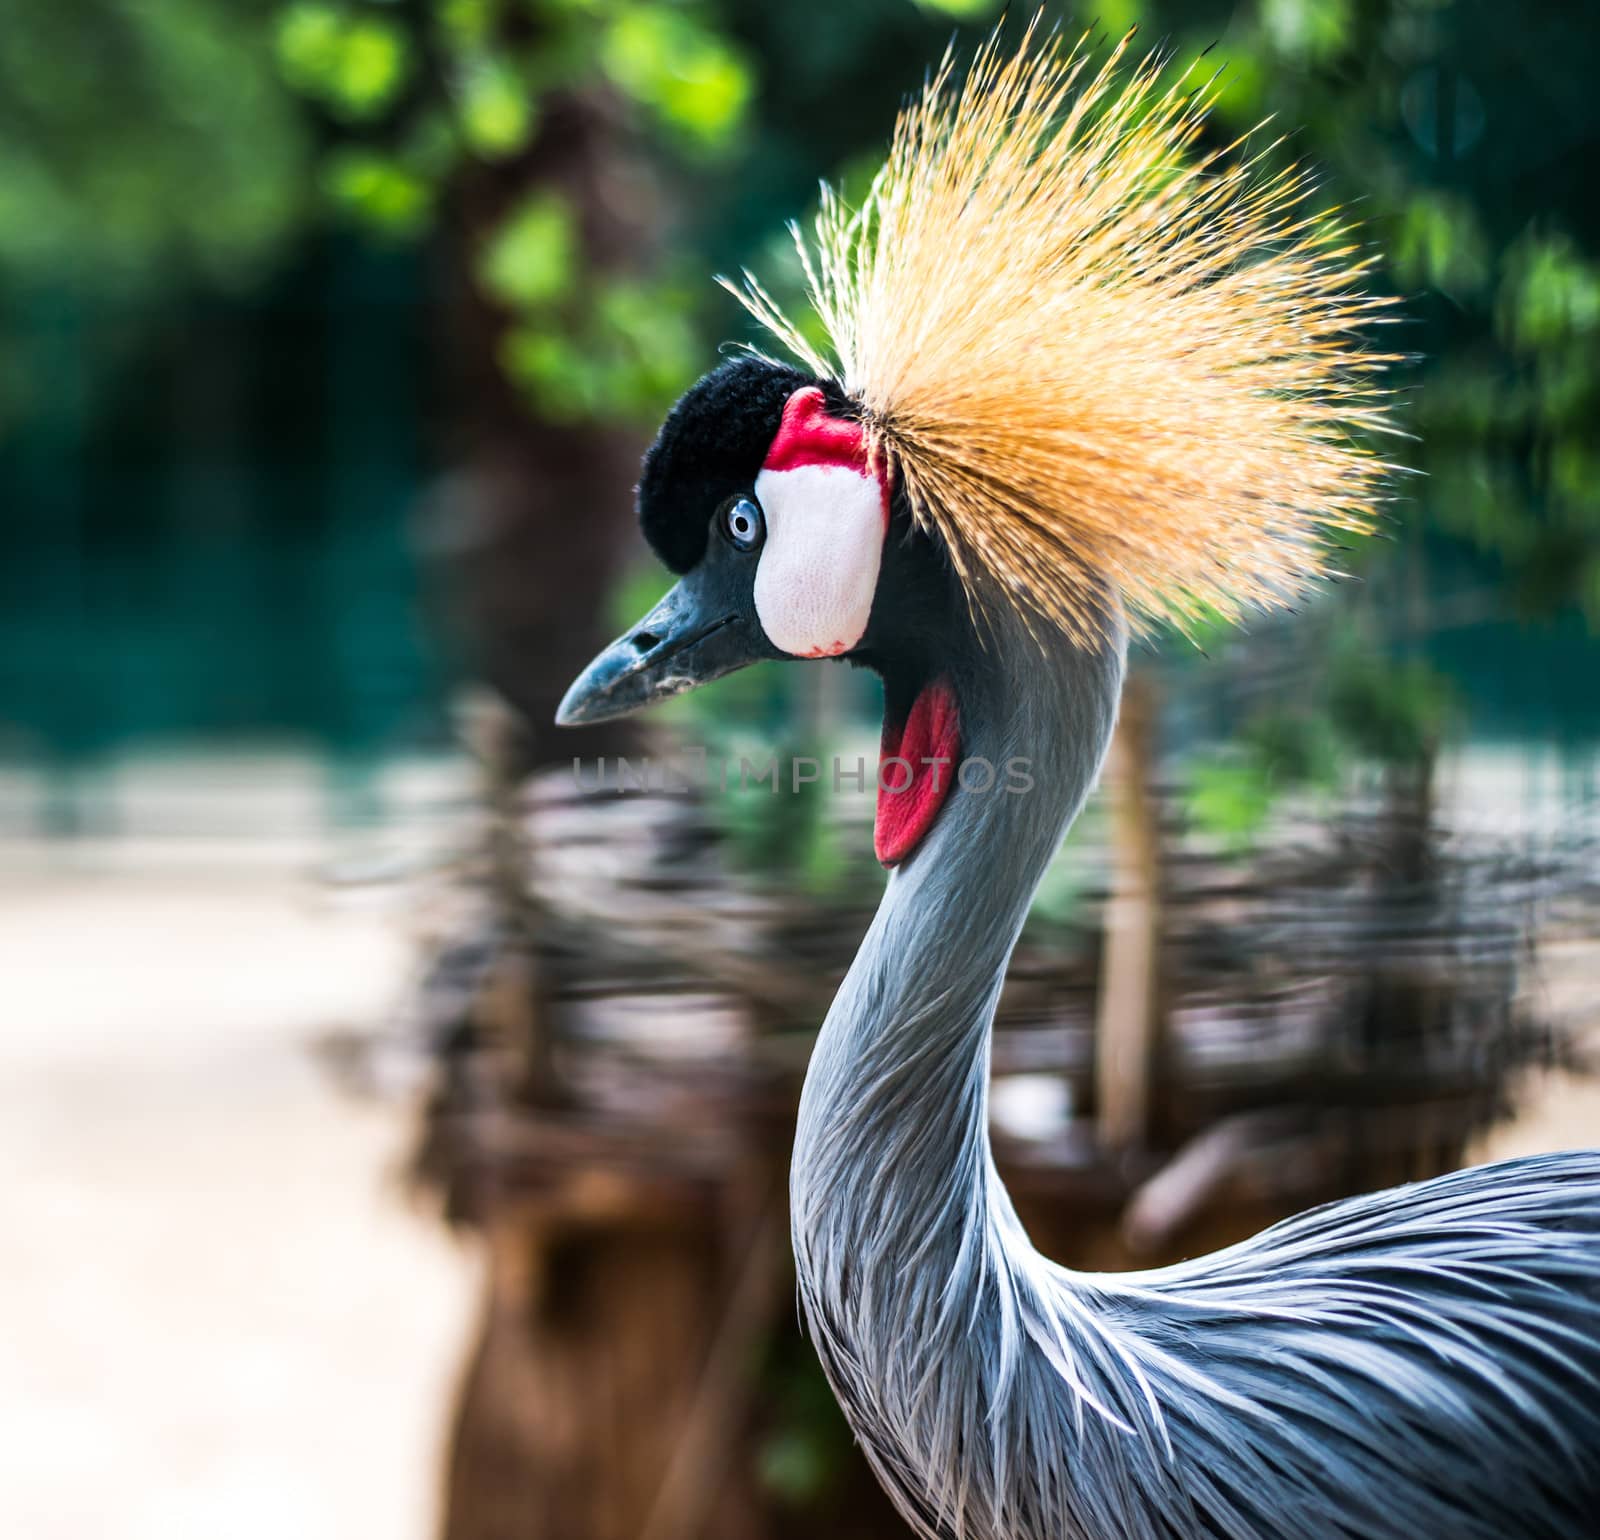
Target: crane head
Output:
{"points": [[790, 541], [1068, 368]]}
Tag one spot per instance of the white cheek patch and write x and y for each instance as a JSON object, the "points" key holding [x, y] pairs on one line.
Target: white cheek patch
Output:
{"points": [[819, 567]]}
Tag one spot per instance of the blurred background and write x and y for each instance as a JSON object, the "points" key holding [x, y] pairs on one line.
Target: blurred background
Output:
{"points": [[394, 1133]]}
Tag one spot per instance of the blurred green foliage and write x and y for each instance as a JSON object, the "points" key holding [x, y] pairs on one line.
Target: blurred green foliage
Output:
{"points": [[422, 96], [672, 63], [353, 63], [1354, 708], [1393, 714], [1230, 792], [1229, 796], [142, 145], [144, 149], [1458, 133], [152, 150]]}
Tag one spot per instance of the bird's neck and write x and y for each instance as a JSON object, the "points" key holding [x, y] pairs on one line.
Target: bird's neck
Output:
{"points": [[892, 1177]]}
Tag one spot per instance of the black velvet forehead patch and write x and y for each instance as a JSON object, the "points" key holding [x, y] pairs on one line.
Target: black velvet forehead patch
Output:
{"points": [[710, 447]]}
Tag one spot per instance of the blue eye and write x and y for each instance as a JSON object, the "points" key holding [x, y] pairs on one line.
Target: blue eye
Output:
{"points": [[742, 523]]}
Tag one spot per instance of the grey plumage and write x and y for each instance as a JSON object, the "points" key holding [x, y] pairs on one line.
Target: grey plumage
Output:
{"points": [[1421, 1364]]}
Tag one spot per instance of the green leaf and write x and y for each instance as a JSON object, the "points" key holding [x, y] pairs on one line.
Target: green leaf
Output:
{"points": [[1440, 243], [309, 36], [467, 23], [497, 109], [1550, 294], [531, 259], [1229, 798], [649, 330], [374, 63], [1308, 30], [962, 10], [431, 146], [378, 190], [554, 370], [354, 65], [684, 73]]}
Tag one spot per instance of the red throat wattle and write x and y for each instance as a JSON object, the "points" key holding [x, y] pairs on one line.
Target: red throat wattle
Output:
{"points": [[916, 769]]}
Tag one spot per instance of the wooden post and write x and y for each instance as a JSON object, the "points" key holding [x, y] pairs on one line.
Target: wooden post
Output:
{"points": [[1128, 1004]]}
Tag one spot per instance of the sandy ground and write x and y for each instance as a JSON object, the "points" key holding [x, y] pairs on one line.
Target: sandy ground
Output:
{"points": [[220, 1316]]}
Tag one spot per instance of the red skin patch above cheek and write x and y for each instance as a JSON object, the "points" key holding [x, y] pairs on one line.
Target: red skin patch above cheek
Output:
{"points": [[929, 741], [808, 435]]}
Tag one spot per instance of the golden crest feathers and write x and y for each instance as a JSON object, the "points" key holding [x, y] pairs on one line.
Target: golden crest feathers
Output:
{"points": [[1089, 350]]}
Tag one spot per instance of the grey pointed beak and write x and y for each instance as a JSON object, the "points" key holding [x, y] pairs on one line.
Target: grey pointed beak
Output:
{"points": [[698, 633]]}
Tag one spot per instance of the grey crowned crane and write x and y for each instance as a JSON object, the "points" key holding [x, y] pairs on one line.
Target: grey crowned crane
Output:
{"points": [[1081, 376]]}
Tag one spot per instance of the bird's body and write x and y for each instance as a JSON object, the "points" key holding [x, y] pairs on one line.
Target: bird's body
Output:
{"points": [[1416, 1363], [1077, 381]]}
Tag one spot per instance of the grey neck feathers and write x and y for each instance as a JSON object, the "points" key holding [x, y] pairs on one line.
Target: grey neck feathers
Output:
{"points": [[901, 1063], [899, 1219]]}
